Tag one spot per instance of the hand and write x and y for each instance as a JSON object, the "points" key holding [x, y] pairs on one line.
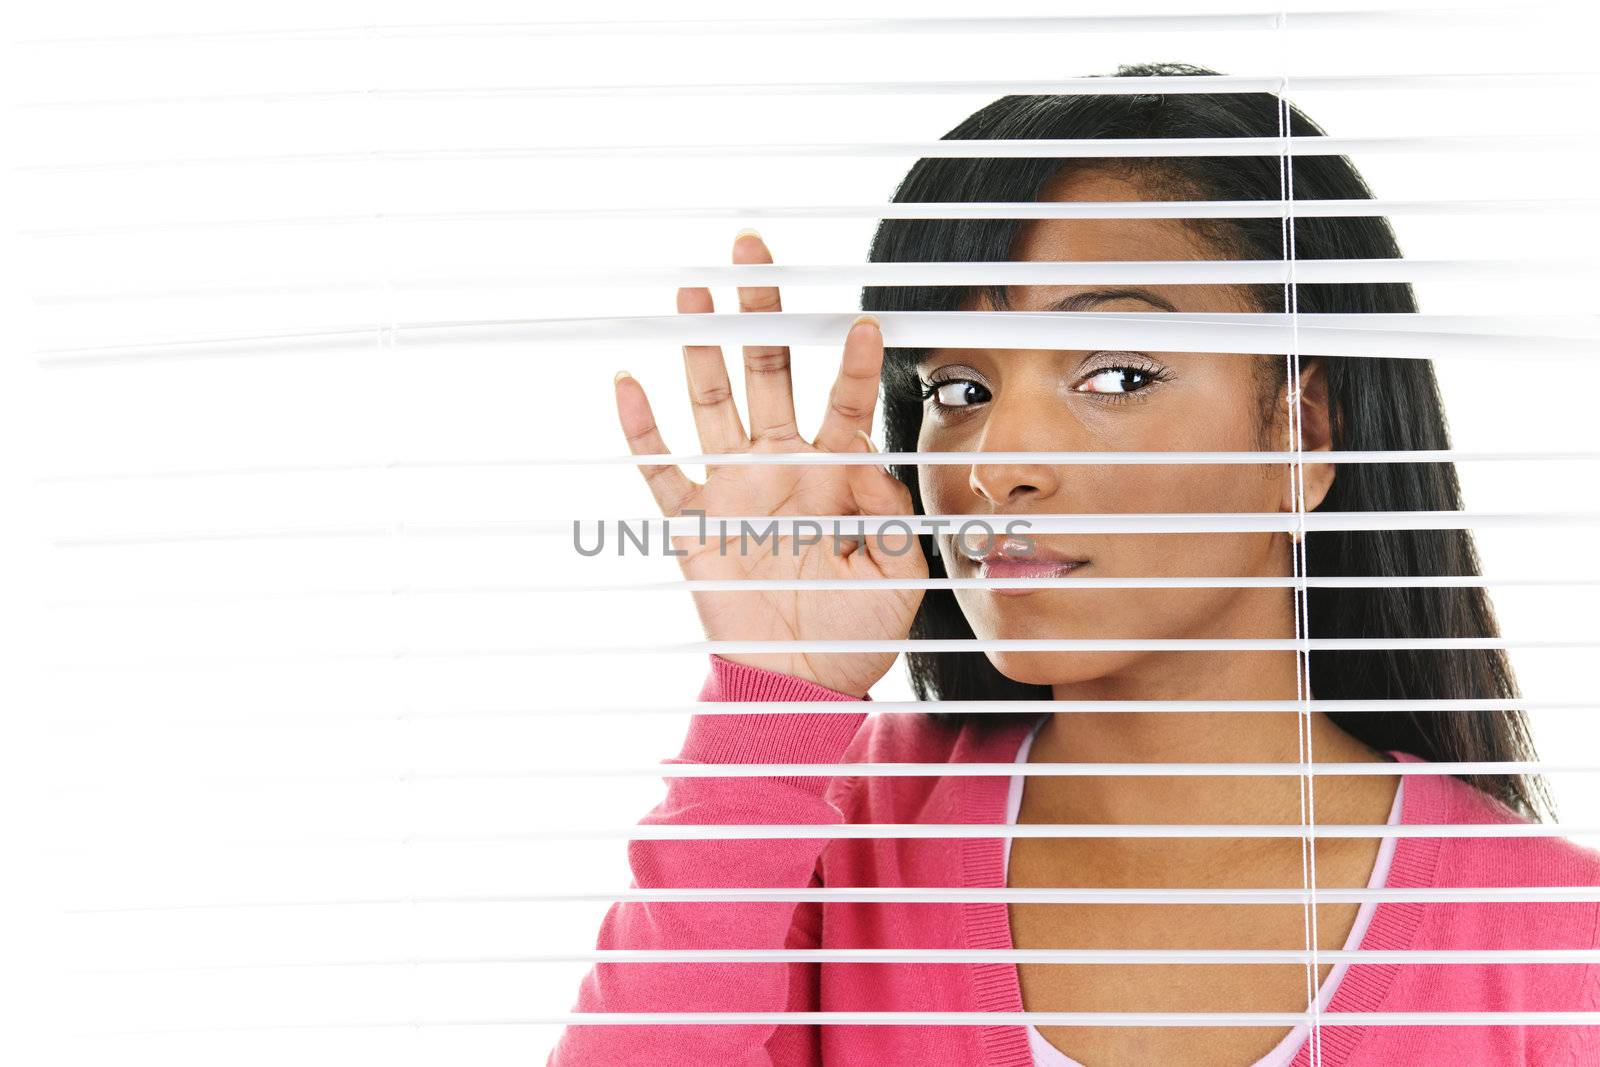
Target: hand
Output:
{"points": [[776, 490]]}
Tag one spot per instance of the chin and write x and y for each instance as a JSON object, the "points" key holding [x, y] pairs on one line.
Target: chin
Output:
{"points": [[1056, 668]]}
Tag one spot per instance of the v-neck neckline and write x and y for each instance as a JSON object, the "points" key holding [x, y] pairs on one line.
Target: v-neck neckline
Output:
{"points": [[997, 988]]}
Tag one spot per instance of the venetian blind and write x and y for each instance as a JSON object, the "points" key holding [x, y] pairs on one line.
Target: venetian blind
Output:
{"points": [[339, 738]]}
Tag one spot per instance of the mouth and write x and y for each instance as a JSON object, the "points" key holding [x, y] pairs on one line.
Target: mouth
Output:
{"points": [[1013, 559]]}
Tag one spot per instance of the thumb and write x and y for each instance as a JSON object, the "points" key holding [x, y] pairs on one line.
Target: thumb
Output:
{"points": [[877, 492]]}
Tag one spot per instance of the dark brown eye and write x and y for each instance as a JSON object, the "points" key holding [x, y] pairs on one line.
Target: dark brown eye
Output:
{"points": [[955, 393], [1116, 380]]}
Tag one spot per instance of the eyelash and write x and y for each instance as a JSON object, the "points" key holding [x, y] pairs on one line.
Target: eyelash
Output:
{"points": [[1153, 373], [933, 385]]}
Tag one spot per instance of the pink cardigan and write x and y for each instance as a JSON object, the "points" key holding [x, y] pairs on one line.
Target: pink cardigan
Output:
{"points": [[1418, 862]]}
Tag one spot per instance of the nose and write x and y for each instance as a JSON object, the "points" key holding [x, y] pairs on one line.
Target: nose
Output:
{"points": [[1006, 485], [1009, 484]]}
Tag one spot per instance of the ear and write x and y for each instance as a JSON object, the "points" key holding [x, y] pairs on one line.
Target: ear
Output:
{"points": [[1316, 435]]}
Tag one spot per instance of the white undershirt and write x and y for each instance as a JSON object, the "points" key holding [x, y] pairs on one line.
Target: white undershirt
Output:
{"points": [[1047, 1055]]}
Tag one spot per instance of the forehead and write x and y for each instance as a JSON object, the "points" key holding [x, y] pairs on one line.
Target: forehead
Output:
{"points": [[1061, 240], [1103, 239]]}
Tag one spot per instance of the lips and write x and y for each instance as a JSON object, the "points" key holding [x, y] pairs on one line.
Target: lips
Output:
{"points": [[1015, 559], [1028, 568]]}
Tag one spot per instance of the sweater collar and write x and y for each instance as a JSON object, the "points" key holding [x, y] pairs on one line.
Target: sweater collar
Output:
{"points": [[988, 925], [995, 987], [1394, 923]]}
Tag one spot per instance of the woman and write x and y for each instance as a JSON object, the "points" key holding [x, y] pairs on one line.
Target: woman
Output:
{"points": [[1013, 400]]}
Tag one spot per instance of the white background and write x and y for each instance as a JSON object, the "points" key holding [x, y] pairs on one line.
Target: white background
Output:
{"points": [[209, 718]]}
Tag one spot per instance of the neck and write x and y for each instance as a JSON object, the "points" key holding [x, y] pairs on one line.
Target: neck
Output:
{"points": [[1198, 737]]}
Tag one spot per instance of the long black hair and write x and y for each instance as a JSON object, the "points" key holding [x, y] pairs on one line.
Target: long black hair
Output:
{"points": [[1376, 404]]}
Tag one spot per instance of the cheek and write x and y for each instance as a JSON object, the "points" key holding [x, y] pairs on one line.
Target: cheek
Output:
{"points": [[1176, 487], [1182, 490], [944, 487]]}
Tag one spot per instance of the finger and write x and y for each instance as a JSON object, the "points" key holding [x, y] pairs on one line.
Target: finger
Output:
{"points": [[855, 391], [768, 390], [716, 418], [669, 485]]}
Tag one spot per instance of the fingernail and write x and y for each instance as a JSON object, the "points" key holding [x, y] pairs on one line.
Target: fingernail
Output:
{"points": [[863, 435], [621, 374], [746, 233], [873, 319]]}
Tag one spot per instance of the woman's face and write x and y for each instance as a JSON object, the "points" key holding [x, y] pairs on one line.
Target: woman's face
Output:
{"points": [[1015, 400]]}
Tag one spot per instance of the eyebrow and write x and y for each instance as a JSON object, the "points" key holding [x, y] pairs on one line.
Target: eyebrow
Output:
{"points": [[1091, 298], [1085, 301]]}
